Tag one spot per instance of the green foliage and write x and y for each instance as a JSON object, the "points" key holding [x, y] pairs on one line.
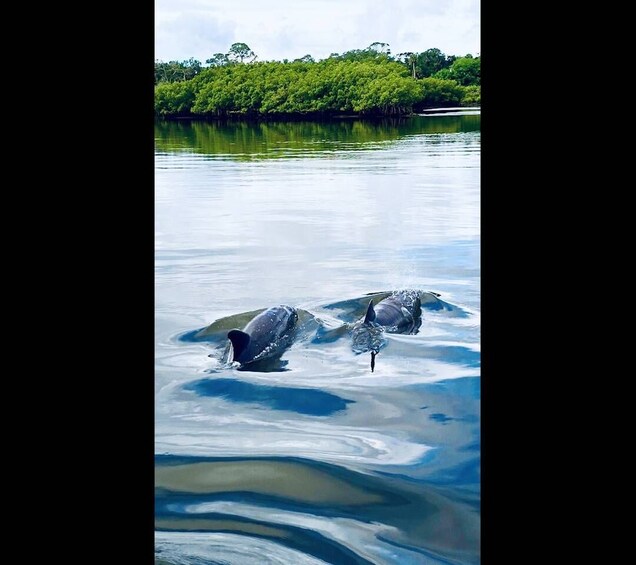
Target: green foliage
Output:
{"points": [[362, 81], [174, 99], [175, 71], [218, 60], [409, 59], [239, 52], [465, 70], [376, 50], [444, 74], [379, 47], [440, 92], [472, 96], [429, 62], [370, 86]]}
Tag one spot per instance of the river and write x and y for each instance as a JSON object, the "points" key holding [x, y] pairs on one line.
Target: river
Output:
{"points": [[320, 460]]}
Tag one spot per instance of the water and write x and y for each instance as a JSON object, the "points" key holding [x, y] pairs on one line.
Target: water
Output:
{"points": [[318, 460]]}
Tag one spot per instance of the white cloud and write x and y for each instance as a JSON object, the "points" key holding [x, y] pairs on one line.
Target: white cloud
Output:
{"points": [[288, 29]]}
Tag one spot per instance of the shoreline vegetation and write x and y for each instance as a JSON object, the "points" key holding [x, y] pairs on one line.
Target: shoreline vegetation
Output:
{"points": [[363, 83]]}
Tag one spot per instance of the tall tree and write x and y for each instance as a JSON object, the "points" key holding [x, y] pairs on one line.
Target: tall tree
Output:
{"points": [[191, 68], [409, 59], [379, 47], [240, 52], [217, 60], [175, 71], [305, 59], [430, 61]]}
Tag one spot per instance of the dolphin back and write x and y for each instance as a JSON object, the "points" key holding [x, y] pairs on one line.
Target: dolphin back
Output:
{"points": [[266, 336], [400, 313]]}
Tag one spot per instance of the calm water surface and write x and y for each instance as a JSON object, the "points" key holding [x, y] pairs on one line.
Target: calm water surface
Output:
{"points": [[321, 461]]}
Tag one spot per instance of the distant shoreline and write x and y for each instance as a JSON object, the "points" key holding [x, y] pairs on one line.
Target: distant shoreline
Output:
{"points": [[455, 110]]}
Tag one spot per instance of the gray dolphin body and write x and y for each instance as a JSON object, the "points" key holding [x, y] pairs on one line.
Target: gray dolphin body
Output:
{"points": [[266, 336], [401, 312]]}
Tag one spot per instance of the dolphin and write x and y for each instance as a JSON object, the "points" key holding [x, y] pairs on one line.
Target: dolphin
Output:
{"points": [[400, 312], [266, 336]]}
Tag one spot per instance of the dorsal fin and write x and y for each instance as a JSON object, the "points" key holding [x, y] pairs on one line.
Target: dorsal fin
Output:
{"points": [[239, 341], [370, 316]]}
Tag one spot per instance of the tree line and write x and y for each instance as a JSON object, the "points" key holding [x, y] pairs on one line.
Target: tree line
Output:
{"points": [[362, 81]]}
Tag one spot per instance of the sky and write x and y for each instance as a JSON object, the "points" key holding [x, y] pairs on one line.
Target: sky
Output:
{"points": [[289, 29]]}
